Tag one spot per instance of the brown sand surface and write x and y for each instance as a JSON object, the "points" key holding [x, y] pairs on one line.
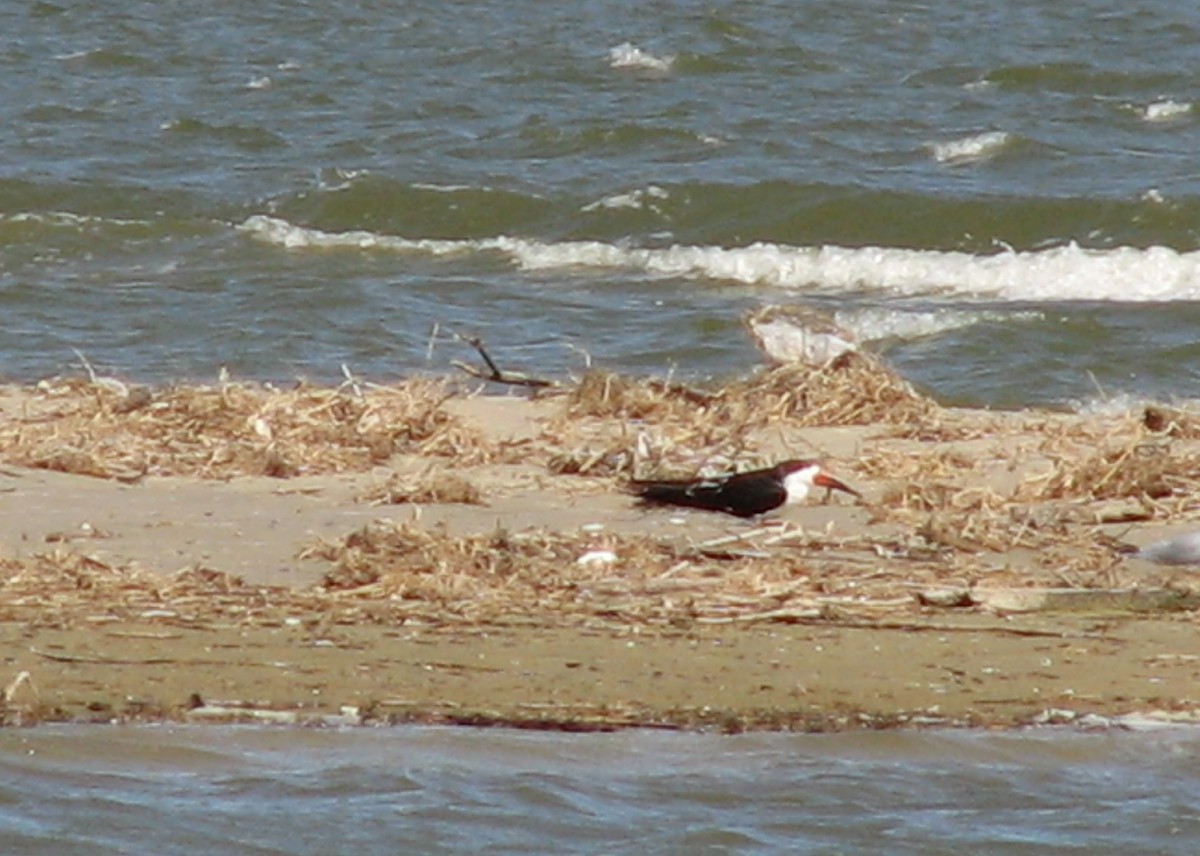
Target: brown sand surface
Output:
{"points": [[976, 584]]}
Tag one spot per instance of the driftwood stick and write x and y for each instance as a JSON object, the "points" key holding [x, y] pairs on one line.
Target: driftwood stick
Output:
{"points": [[477, 344], [494, 372]]}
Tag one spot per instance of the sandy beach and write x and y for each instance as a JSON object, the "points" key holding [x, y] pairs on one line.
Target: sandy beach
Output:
{"points": [[423, 552]]}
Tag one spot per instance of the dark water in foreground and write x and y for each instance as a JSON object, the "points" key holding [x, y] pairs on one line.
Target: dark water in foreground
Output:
{"points": [[172, 790]]}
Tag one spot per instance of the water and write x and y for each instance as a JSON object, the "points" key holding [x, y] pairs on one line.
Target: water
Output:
{"points": [[172, 790], [1001, 199], [1004, 199]]}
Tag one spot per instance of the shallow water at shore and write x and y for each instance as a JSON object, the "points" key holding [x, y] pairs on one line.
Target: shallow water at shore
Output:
{"points": [[170, 789]]}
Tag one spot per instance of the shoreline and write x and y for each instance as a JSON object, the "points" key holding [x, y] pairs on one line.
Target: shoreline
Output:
{"points": [[981, 673], [242, 554]]}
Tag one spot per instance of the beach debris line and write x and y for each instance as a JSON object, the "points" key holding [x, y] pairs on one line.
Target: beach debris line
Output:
{"points": [[967, 483], [104, 428], [398, 573], [854, 389], [588, 577], [237, 428]]}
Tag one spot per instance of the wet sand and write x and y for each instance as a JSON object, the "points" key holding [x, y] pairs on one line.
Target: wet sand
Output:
{"points": [[972, 671]]}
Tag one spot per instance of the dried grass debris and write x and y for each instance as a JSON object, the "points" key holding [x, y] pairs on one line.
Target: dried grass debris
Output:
{"points": [[766, 574], [853, 389], [604, 394], [235, 429], [1137, 469], [1178, 422], [669, 426], [433, 486]]}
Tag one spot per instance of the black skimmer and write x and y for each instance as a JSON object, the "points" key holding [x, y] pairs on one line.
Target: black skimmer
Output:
{"points": [[742, 494]]}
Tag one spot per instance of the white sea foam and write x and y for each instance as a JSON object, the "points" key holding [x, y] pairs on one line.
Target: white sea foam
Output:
{"points": [[1165, 111], [634, 199], [1059, 273], [276, 231], [877, 323], [1115, 406], [969, 149], [450, 188], [1123, 405], [626, 55], [68, 218], [339, 178]]}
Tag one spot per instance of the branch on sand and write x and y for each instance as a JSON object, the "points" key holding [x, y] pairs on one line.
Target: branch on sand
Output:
{"points": [[494, 373]]}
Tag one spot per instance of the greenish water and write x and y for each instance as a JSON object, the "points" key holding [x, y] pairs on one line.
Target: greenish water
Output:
{"points": [[1002, 200]]}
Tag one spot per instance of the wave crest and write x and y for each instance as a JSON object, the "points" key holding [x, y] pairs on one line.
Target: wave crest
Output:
{"points": [[1068, 272]]}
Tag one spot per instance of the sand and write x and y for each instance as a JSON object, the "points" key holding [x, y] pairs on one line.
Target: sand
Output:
{"points": [[978, 583]]}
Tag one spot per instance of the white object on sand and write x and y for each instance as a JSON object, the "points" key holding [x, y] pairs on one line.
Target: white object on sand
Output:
{"points": [[1180, 550]]}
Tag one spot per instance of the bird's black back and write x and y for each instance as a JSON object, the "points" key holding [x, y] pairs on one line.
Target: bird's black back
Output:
{"points": [[743, 495]]}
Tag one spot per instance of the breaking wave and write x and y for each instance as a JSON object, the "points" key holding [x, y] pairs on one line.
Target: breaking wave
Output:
{"points": [[969, 149], [629, 56], [1063, 273]]}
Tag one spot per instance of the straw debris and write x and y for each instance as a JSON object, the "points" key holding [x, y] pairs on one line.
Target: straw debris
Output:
{"points": [[1044, 494], [394, 573], [234, 429], [769, 574], [1138, 469], [665, 426], [103, 428], [854, 389], [431, 486], [555, 577], [1176, 422]]}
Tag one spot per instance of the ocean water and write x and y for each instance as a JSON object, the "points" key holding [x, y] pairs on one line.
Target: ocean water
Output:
{"points": [[1002, 199], [181, 790]]}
